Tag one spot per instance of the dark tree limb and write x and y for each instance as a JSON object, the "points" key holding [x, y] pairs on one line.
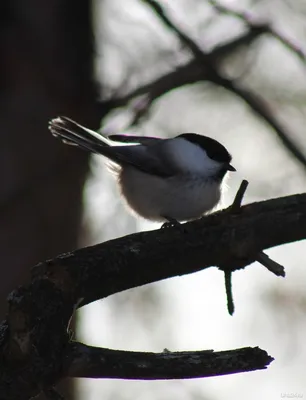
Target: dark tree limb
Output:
{"points": [[93, 362], [271, 265], [239, 196], [35, 349], [229, 291], [119, 263], [235, 207], [262, 258]]}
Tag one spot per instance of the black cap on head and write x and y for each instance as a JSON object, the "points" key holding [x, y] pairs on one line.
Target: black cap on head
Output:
{"points": [[215, 150]]}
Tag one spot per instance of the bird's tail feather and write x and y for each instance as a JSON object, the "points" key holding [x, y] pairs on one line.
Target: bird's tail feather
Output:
{"points": [[73, 133]]}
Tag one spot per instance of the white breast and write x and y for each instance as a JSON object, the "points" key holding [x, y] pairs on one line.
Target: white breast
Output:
{"points": [[180, 197]]}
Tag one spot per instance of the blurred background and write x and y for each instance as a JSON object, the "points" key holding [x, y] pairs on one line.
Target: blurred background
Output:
{"points": [[235, 71]]}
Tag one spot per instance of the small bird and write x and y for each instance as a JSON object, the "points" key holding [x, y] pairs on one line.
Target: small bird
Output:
{"points": [[167, 180]]}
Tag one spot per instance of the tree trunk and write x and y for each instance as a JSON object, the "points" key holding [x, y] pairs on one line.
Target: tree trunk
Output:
{"points": [[46, 70]]}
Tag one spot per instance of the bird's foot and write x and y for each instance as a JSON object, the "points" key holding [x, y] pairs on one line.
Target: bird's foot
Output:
{"points": [[173, 223]]}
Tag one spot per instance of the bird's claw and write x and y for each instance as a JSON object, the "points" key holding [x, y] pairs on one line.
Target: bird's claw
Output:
{"points": [[173, 223]]}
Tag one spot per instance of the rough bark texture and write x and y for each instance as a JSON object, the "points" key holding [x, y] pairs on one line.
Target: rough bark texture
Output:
{"points": [[46, 70], [35, 348]]}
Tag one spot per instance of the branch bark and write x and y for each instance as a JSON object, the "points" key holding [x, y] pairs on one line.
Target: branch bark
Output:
{"points": [[119, 264], [92, 362], [35, 348]]}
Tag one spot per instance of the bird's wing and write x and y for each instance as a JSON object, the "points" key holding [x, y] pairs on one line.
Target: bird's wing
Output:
{"points": [[137, 156], [140, 157], [146, 140]]}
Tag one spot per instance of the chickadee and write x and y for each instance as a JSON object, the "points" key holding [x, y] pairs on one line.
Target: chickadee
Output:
{"points": [[172, 180]]}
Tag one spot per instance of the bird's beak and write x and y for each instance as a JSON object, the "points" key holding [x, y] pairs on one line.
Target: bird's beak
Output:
{"points": [[231, 168]]}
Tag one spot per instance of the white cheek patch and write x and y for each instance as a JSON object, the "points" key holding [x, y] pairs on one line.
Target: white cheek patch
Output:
{"points": [[190, 157]]}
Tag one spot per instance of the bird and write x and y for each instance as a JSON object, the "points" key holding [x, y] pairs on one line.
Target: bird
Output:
{"points": [[164, 180]]}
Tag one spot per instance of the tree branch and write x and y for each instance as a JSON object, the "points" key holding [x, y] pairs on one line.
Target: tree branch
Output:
{"points": [[229, 291], [262, 258], [188, 73], [208, 70], [168, 253], [93, 362], [35, 348], [235, 207], [271, 265], [260, 107], [250, 23]]}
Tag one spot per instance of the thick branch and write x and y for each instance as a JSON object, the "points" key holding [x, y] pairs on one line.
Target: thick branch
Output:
{"points": [[35, 349], [93, 362], [224, 238]]}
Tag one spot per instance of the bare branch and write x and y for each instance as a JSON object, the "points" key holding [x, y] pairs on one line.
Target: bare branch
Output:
{"points": [[229, 291], [34, 342], [258, 105], [168, 253], [249, 21], [262, 258], [93, 362], [236, 206], [271, 265], [188, 73], [254, 101], [185, 39]]}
